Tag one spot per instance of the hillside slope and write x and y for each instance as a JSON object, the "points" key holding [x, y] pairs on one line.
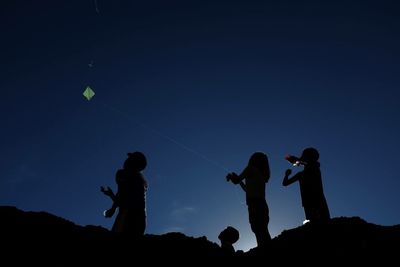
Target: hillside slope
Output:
{"points": [[42, 238]]}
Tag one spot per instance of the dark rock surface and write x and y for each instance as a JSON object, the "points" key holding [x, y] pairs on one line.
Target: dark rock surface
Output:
{"points": [[40, 238]]}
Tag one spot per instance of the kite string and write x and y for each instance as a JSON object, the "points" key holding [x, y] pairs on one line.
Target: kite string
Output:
{"points": [[169, 138], [160, 134], [174, 141], [96, 7]]}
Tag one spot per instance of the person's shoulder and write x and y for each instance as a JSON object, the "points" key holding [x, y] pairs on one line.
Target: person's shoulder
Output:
{"points": [[248, 171]]}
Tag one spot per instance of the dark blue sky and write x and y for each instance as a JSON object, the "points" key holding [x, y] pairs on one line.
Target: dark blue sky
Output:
{"points": [[198, 86]]}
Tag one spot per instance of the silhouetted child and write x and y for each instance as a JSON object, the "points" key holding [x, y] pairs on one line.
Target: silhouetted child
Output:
{"points": [[228, 237], [311, 189], [256, 175], [130, 198]]}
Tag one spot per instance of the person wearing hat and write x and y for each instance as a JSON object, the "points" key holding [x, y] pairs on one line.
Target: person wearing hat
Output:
{"points": [[130, 198], [311, 188]]}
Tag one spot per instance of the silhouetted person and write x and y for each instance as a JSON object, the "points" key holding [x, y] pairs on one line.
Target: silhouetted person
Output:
{"points": [[130, 198], [228, 237], [311, 189], [256, 175]]}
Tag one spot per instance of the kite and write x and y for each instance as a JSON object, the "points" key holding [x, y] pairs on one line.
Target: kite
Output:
{"points": [[88, 93]]}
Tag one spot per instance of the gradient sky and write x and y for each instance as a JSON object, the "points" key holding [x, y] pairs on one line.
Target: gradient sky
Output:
{"points": [[198, 86]]}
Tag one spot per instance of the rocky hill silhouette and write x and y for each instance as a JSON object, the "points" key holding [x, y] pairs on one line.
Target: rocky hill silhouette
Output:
{"points": [[40, 238]]}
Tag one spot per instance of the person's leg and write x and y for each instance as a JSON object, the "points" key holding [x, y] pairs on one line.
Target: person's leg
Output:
{"points": [[311, 214], [259, 219], [119, 225], [135, 223], [325, 215], [317, 214]]}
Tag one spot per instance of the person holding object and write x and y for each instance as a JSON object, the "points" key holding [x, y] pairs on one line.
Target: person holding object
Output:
{"points": [[256, 175], [310, 181]]}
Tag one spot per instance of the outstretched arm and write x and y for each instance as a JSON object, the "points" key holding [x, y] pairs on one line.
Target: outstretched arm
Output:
{"points": [[108, 192], [288, 181]]}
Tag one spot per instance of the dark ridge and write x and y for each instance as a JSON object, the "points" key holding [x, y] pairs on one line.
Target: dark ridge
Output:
{"points": [[40, 238]]}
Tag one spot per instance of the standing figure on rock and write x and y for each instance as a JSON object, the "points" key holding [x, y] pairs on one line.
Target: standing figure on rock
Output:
{"points": [[130, 198], [311, 188], [256, 175]]}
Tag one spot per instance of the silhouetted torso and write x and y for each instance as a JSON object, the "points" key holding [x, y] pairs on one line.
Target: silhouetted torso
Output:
{"points": [[255, 184], [131, 189], [312, 192], [311, 188]]}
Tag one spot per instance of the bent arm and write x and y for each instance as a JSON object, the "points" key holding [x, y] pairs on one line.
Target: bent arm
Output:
{"points": [[234, 178], [108, 192], [114, 197], [247, 172], [288, 181]]}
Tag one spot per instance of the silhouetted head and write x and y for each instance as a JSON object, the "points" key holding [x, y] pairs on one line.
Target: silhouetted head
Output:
{"points": [[136, 161], [260, 161], [310, 155], [229, 235]]}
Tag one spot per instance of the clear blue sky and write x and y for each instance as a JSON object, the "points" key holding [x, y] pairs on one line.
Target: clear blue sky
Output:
{"points": [[212, 82]]}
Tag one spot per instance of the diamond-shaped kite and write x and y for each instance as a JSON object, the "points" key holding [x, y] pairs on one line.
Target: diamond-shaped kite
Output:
{"points": [[88, 93]]}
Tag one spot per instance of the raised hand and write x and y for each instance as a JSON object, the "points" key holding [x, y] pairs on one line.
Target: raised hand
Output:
{"points": [[109, 213], [107, 191], [233, 177]]}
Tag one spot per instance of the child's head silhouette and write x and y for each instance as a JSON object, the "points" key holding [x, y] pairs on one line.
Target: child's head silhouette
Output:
{"points": [[229, 235], [136, 161], [260, 161], [310, 155]]}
